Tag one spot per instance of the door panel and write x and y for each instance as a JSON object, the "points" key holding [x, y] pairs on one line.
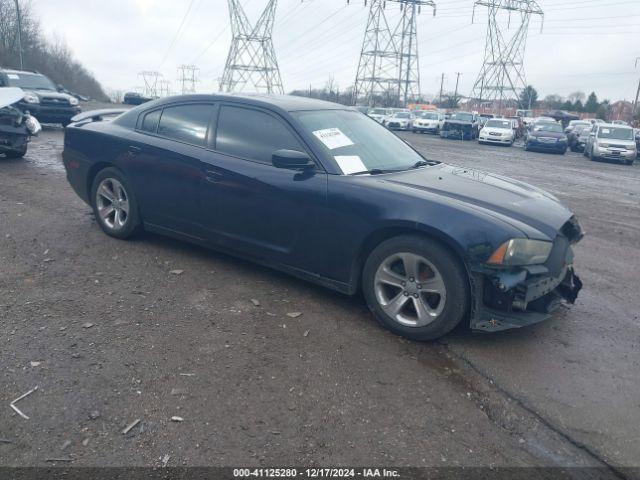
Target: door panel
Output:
{"points": [[257, 209]]}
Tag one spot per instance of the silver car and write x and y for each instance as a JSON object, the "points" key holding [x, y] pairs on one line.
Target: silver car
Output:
{"points": [[612, 142]]}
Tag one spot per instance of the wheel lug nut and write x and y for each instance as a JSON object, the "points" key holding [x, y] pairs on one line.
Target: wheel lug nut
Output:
{"points": [[403, 283], [406, 294], [411, 279], [415, 295], [418, 286]]}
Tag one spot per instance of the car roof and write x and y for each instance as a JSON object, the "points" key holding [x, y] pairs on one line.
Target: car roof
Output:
{"points": [[6, 70], [613, 125], [288, 103]]}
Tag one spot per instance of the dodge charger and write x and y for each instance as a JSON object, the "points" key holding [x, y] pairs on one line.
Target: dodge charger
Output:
{"points": [[325, 193]]}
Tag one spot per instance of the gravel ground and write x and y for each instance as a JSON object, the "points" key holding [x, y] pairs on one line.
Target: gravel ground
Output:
{"points": [[110, 335]]}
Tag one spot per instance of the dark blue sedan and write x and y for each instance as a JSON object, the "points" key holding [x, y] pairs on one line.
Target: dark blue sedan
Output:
{"points": [[547, 137], [324, 193]]}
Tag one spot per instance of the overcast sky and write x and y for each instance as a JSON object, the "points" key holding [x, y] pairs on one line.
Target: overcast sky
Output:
{"points": [[585, 44]]}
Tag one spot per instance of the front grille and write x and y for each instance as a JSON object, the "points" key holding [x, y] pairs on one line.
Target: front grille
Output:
{"points": [[624, 147], [54, 101], [546, 140]]}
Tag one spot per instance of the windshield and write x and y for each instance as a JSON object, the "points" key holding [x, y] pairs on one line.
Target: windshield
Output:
{"points": [[30, 81], [402, 115], [356, 142], [547, 127], [616, 133], [498, 123], [465, 117], [378, 111], [430, 116]]}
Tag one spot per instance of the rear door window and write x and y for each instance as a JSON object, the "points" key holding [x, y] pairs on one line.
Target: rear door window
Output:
{"points": [[186, 123], [252, 134], [150, 121]]}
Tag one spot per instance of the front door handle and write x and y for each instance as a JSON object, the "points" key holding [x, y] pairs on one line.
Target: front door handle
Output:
{"points": [[213, 176], [133, 150]]}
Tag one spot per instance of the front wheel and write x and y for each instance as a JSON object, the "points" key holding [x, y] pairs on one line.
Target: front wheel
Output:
{"points": [[416, 287], [114, 204], [18, 153]]}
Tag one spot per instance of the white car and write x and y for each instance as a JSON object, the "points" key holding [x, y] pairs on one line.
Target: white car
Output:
{"points": [[497, 130], [428, 122], [378, 114], [400, 121]]}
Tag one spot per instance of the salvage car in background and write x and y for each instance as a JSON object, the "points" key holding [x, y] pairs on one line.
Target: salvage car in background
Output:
{"points": [[378, 114], [135, 98], [611, 142], [573, 134], [16, 127], [400, 121], [42, 98], [461, 125], [546, 136], [429, 122], [320, 191], [497, 131]]}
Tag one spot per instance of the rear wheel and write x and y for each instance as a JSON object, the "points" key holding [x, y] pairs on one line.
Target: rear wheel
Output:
{"points": [[114, 204], [416, 287]]}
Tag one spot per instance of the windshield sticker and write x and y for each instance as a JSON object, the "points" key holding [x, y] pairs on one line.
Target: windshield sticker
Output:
{"points": [[350, 164], [333, 138], [13, 76], [606, 130]]}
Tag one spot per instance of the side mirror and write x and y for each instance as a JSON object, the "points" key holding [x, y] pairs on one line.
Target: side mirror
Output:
{"points": [[291, 159]]}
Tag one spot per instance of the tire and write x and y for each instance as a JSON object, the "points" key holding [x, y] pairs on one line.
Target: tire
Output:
{"points": [[441, 312], [17, 153], [113, 222]]}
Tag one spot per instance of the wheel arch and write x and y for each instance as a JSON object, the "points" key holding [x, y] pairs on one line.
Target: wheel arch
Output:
{"points": [[378, 236], [93, 172]]}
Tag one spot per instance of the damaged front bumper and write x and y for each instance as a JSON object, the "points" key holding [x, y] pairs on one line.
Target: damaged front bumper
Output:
{"points": [[519, 296]]}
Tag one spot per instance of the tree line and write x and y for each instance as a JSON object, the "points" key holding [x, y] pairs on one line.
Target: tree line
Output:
{"points": [[51, 58]]}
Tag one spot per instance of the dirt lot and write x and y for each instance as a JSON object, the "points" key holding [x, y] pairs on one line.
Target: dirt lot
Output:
{"points": [[109, 335]]}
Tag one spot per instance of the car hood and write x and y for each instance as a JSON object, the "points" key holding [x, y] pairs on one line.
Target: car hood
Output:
{"points": [[613, 141], [503, 197], [547, 134], [458, 122], [49, 94]]}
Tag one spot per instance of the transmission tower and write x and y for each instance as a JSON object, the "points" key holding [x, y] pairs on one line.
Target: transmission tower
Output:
{"points": [[389, 70], [187, 78], [502, 77], [252, 59], [152, 83], [164, 88]]}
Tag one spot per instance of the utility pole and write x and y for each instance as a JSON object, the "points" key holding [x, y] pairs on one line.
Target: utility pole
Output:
{"points": [[455, 95], [388, 66], [252, 58], [441, 87], [502, 77], [635, 104], [19, 31]]}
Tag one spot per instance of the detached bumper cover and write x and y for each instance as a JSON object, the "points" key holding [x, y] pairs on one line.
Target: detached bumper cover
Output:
{"points": [[520, 296]]}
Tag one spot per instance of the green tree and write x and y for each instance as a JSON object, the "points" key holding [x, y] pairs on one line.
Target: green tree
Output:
{"points": [[592, 103], [528, 97]]}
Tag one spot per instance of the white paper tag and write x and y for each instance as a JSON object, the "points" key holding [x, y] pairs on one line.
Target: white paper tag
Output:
{"points": [[606, 130], [350, 164], [13, 76], [333, 138]]}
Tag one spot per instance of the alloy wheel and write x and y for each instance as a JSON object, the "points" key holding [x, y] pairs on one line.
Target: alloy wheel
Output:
{"points": [[410, 289], [112, 203]]}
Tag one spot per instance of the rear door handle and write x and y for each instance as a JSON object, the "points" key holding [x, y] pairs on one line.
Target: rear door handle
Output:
{"points": [[133, 150], [213, 176]]}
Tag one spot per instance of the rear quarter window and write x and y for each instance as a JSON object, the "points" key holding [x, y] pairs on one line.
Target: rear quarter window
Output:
{"points": [[149, 122]]}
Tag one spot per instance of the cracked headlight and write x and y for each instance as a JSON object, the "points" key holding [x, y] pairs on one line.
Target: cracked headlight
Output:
{"points": [[73, 101], [521, 251]]}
